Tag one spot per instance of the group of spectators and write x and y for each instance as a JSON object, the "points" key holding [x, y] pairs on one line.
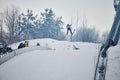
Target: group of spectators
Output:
{"points": [[25, 44]]}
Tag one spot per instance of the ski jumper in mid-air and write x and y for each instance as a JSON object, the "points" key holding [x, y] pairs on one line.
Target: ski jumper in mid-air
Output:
{"points": [[69, 29]]}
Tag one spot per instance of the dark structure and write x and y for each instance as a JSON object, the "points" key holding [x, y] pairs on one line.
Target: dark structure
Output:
{"points": [[112, 40]]}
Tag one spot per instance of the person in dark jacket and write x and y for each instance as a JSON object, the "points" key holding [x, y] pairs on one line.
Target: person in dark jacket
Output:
{"points": [[21, 45], [38, 44]]}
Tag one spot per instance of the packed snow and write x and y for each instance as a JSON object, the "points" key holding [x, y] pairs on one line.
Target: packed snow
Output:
{"points": [[60, 60], [113, 70]]}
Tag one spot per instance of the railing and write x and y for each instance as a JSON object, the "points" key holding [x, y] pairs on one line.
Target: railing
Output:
{"points": [[16, 52]]}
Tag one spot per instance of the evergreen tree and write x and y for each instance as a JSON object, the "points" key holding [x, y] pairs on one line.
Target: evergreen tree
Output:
{"points": [[50, 24], [26, 25]]}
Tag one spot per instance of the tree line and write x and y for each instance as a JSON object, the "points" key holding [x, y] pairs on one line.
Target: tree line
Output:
{"points": [[21, 26], [26, 26]]}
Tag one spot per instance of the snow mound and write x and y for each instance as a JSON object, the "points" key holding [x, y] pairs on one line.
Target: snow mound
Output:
{"points": [[113, 70], [63, 62], [55, 44]]}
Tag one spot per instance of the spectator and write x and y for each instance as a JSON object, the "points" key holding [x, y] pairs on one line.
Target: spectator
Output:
{"points": [[21, 45], [26, 44], [38, 44]]}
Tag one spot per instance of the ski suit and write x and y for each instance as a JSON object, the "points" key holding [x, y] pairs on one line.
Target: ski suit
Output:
{"points": [[69, 29]]}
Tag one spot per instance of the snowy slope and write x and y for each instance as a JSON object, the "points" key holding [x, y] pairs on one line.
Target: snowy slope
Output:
{"points": [[58, 45], [63, 62]]}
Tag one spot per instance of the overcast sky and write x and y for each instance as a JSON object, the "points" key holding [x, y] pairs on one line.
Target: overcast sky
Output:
{"points": [[99, 13]]}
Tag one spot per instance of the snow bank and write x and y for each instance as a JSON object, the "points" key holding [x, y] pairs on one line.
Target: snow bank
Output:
{"points": [[63, 62], [52, 65], [113, 70], [58, 45], [16, 52]]}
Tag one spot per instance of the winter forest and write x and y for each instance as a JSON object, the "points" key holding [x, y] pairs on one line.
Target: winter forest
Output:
{"points": [[59, 40], [25, 26]]}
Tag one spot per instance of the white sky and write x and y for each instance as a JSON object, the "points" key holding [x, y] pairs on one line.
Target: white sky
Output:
{"points": [[99, 13]]}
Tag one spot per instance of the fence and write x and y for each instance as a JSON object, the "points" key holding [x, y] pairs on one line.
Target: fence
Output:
{"points": [[20, 51]]}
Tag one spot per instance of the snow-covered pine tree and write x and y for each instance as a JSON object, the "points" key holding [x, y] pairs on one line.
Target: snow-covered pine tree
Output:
{"points": [[27, 25], [51, 25]]}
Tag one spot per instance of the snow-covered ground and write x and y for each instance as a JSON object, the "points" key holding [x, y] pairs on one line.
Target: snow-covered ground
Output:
{"points": [[113, 70], [62, 62]]}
